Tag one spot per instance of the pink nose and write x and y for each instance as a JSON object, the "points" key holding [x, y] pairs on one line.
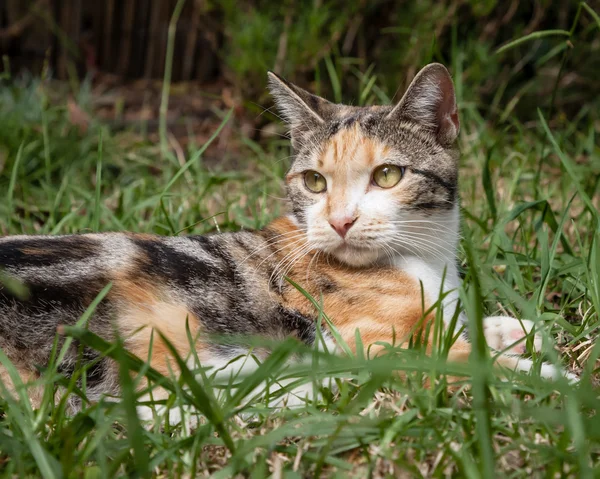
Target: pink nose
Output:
{"points": [[342, 225]]}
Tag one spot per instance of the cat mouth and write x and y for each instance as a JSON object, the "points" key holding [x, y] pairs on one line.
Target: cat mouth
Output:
{"points": [[356, 255], [345, 246]]}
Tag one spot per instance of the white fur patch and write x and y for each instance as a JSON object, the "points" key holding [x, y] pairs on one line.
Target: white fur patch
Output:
{"points": [[501, 332], [547, 371]]}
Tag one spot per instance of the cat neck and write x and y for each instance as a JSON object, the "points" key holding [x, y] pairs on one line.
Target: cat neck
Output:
{"points": [[433, 264], [433, 240]]}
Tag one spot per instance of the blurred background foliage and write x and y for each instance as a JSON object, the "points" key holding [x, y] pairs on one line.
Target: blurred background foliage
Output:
{"points": [[75, 71], [348, 44]]}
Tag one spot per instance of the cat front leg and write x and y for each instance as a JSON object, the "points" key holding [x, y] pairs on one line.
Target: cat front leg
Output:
{"points": [[510, 335], [174, 414], [504, 333]]}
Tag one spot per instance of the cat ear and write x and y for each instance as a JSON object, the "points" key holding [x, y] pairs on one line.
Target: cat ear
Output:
{"points": [[301, 109], [430, 102]]}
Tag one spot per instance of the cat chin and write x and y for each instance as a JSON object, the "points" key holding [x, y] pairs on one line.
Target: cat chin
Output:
{"points": [[354, 256]]}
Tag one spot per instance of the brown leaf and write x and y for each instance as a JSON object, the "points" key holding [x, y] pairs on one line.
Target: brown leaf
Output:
{"points": [[77, 116]]}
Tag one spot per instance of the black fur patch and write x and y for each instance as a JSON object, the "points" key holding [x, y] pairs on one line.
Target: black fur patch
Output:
{"points": [[296, 324], [450, 186], [326, 284], [349, 121], [39, 252], [333, 128], [180, 269], [369, 123], [46, 307]]}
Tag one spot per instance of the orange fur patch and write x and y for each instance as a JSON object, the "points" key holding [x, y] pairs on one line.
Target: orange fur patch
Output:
{"points": [[346, 158], [139, 324], [351, 148], [382, 303], [142, 311], [34, 392]]}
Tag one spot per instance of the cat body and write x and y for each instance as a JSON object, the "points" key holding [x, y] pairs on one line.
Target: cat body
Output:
{"points": [[372, 234], [211, 286]]}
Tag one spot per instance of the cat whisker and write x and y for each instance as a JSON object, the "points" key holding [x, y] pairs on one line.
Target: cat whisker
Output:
{"points": [[422, 251], [274, 133], [389, 251], [290, 235], [281, 249], [435, 240], [299, 257], [428, 228], [378, 233], [435, 225], [274, 273], [414, 251], [407, 246], [440, 222], [288, 255], [315, 258], [285, 264], [268, 110], [434, 245]]}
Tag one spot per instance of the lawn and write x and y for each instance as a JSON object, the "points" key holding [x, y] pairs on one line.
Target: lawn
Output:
{"points": [[530, 249]]}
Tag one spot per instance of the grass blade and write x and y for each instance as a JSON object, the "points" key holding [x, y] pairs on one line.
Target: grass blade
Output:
{"points": [[98, 200], [594, 15], [13, 179], [197, 155], [533, 36], [166, 86], [568, 165]]}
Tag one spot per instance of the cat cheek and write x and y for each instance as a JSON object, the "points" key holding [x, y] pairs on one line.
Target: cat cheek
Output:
{"points": [[315, 217]]}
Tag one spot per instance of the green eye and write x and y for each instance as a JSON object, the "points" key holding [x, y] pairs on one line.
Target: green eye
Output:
{"points": [[314, 181], [386, 176]]}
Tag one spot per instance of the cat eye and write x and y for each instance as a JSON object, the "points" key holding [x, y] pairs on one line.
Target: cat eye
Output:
{"points": [[386, 176], [314, 181]]}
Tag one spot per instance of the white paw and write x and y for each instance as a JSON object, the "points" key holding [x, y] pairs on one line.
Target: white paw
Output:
{"points": [[570, 377], [297, 397], [176, 415], [547, 371], [501, 332]]}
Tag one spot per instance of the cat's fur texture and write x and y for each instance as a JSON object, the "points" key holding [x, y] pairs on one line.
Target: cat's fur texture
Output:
{"points": [[364, 249]]}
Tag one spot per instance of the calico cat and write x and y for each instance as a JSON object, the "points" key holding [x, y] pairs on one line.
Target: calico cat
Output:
{"points": [[374, 215]]}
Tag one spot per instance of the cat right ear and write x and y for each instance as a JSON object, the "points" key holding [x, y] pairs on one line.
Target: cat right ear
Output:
{"points": [[430, 102], [300, 109]]}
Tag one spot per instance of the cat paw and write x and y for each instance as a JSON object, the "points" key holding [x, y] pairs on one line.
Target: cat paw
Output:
{"points": [[298, 397], [175, 415], [547, 371], [501, 332]]}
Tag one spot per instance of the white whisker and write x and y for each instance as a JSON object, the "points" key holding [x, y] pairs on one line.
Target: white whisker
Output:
{"points": [[289, 260], [281, 249], [424, 250], [290, 235], [433, 245]]}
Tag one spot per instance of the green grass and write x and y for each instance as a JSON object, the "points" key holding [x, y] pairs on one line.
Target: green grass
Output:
{"points": [[532, 238]]}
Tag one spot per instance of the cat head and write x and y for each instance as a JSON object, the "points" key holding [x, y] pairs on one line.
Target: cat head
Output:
{"points": [[368, 183]]}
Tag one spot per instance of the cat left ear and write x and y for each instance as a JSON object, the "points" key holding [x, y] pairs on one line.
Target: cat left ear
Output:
{"points": [[301, 109], [430, 102]]}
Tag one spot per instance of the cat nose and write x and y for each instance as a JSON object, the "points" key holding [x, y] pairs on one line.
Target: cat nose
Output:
{"points": [[342, 225]]}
